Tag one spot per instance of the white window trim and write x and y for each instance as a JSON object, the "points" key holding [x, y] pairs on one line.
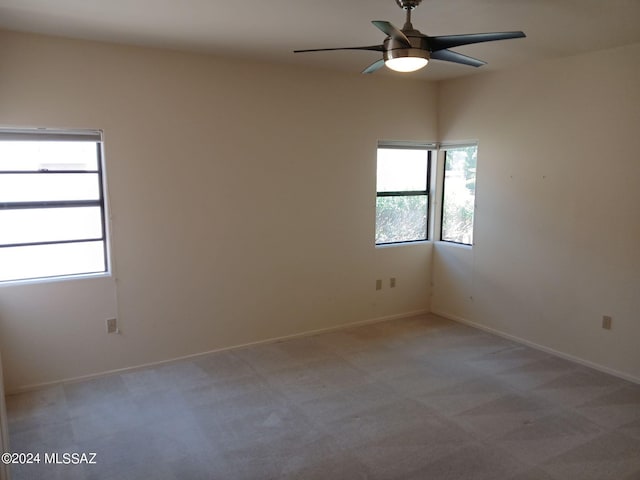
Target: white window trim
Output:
{"points": [[97, 135]]}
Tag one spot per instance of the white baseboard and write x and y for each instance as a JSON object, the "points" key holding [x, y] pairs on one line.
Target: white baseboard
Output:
{"points": [[38, 386], [566, 356], [581, 361]]}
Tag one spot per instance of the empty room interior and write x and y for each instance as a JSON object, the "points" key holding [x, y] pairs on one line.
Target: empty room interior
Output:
{"points": [[220, 259]]}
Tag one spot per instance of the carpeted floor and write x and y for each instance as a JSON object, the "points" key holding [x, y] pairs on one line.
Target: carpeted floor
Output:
{"points": [[420, 398]]}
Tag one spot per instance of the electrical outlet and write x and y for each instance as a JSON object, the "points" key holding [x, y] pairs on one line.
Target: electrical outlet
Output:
{"points": [[392, 282], [112, 325], [606, 322], [378, 284]]}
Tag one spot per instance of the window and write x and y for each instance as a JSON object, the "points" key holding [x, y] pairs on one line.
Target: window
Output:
{"points": [[52, 213], [402, 203], [458, 194]]}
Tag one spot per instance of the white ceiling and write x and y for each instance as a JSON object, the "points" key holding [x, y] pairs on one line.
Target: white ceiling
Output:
{"points": [[270, 29]]}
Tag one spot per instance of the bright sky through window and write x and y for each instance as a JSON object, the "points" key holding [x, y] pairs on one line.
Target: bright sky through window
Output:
{"points": [[52, 219]]}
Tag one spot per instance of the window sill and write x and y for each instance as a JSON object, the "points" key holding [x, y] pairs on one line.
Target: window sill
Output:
{"points": [[58, 279], [454, 244], [403, 244]]}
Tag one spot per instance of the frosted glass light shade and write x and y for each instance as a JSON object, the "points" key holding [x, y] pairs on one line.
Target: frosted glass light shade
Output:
{"points": [[406, 64]]}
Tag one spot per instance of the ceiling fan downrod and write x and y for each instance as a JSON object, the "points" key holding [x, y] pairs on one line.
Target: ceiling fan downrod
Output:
{"points": [[408, 5]]}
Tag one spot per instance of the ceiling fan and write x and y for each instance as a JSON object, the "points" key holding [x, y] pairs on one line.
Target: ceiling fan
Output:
{"points": [[408, 50]]}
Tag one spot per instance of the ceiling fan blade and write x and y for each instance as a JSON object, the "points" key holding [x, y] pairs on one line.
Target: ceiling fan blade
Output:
{"points": [[393, 32], [375, 48], [449, 56], [374, 66], [448, 41]]}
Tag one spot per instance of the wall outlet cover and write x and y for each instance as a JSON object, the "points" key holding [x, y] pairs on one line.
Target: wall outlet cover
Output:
{"points": [[112, 325]]}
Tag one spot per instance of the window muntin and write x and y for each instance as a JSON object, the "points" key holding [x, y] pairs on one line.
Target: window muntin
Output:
{"points": [[402, 203], [52, 211], [458, 194]]}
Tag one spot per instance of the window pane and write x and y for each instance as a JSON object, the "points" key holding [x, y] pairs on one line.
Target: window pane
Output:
{"points": [[401, 219], [49, 224], [33, 187], [39, 155], [459, 195], [18, 263], [402, 169]]}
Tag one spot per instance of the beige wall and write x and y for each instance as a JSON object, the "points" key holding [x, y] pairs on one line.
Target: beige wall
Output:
{"points": [[558, 206], [243, 203], [242, 198]]}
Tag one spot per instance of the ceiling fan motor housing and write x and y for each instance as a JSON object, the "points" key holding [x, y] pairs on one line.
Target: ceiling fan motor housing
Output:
{"points": [[419, 46]]}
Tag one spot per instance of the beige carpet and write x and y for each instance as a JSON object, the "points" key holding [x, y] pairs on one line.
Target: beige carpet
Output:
{"points": [[421, 398]]}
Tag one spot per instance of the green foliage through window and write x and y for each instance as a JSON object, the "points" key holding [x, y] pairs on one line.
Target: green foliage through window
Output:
{"points": [[459, 190], [402, 203]]}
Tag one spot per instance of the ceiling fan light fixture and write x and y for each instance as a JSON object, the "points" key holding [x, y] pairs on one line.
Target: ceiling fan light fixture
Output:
{"points": [[406, 60], [406, 64]]}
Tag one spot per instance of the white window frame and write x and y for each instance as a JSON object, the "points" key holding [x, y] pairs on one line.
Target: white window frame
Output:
{"points": [[46, 134], [439, 184], [431, 149]]}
